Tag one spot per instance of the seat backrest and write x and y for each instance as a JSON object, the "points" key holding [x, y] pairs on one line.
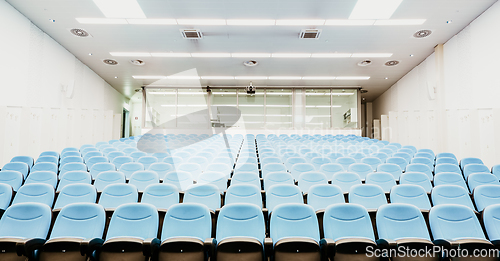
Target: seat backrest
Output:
{"points": [[446, 161], [466, 161], [241, 220], [424, 155], [380, 155], [17, 166], [345, 180], [79, 220], [280, 194], [50, 153], [383, 179], [6, 193], [136, 155], [108, 177], [49, 159], [410, 194], [269, 160], [71, 159], [401, 162], [403, 155], [25, 159], [274, 178], [161, 195], [407, 151], [300, 168], [394, 169], [486, 195], [419, 167], [246, 178], [333, 156], [115, 195], [449, 178], [35, 192], [246, 167], [142, 179], [272, 167], [372, 161], [387, 152], [243, 193], [12, 178], [447, 168], [345, 162], [308, 179], [187, 220], [98, 168], [478, 179], [26, 220], [94, 160], [361, 169], [217, 178], [445, 155], [331, 168], [130, 168], [91, 154], [181, 179], [322, 195], [70, 154], [120, 160], [401, 221], [319, 161], [294, 221], [137, 220], [46, 177], [206, 194], [193, 168], [347, 221], [292, 161], [491, 220], [76, 193], [475, 168], [147, 161], [429, 151], [454, 222], [369, 196], [416, 178], [451, 194], [219, 167], [44, 166]]}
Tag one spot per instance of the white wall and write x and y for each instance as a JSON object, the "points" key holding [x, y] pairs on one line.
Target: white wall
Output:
{"points": [[36, 114], [465, 114]]}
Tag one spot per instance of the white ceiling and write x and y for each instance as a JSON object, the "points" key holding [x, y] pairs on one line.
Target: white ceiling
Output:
{"points": [[257, 39]]}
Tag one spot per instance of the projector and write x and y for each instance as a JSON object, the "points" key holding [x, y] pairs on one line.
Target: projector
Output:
{"points": [[250, 89]]}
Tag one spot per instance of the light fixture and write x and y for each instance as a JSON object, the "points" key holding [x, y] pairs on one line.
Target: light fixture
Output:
{"points": [[291, 55], [400, 22], [217, 77], [349, 22], [300, 22], [387, 78], [411, 55], [149, 77], [353, 78], [90, 54], [201, 21], [284, 77], [52, 20], [251, 22], [222, 93], [374, 9], [331, 55], [211, 55], [134, 54], [153, 21], [171, 54], [116, 77], [101, 21], [250, 77], [371, 55], [449, 21], [321, 78], [251, 55], [120, 8]]}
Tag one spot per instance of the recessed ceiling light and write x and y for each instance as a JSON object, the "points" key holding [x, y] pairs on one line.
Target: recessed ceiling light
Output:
{"points": [[171, 54], [152, 21], [321, 78], [251, 55], [353, 78], [213, 55], [387, 78], [411, 55], [374, 9], [251, 22], [90, 54], [300, 22], [101, 21], [116, 77], [285, 77], [400, 22], [217, 78], [120, 8], [131, 54], [371, 55], [449, 21], [148, 77], [331, 55], [349, 22], [201, 21], [52, 20], [291, 55]]}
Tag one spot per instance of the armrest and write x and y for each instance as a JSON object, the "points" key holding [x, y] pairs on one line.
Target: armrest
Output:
{"points": [[89, 245], [327, 247], [209, 246], [387, 243], [268, 247], [150, 246], [28, 246]]}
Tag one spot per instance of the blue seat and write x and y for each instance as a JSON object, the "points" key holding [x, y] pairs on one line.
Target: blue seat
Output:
{"points": [[21, 222], [108, 177], [173, 160], [94, 160], [120, 160], [243, 193], [282, 193], [401, 162], [268, 160], [76, 193], [46, 177], [181, 179], [35, 193], [475, 168], [202, 161], [241, 231], [322, 195], [70, 154], [142, 179], [429, 163], [486, 195], [160, 155], [478, 179], [369, 196], [383, 179], [422, 168], [244, 178], [132, 225], [425, 155], [274, 178], [413, 149], [6, 193], [129, 151], [219, 167], [247, 159], [290, 161], [491, 220], [394, 169], [98, 168], [50, 153], [372, 161], [162, 195], [130, 168], [346, 162], [299, 168], [161, 168], [136, 155], [403, 155], [447, 168], [345, 180], [206, 194], [319, 161], [387, 152], [113, 155], [495, 170], [24, 159], [308, 179], [333, 156], [246, 167], [69, 149], [295, 226], [192, 168], [381, 155], [216, 178], [12, 178], [416, 178], [331, 168], [466, 161], [73, 166], [410, 194], [358, 156], [89, 155], [446, 161], [17, 166], [429, 151], [186, 226], [361, 169], [451, 194], [445, 155], [115, 195], [70, 159], [272, 167], [49, 159], [147, 161], [450, 178]]}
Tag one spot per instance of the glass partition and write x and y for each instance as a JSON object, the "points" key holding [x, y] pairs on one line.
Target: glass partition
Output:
{"points": [[252, 108], [318, 103], [279, 108]]}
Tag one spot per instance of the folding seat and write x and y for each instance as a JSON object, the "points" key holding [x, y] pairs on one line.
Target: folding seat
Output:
{"points": [[133, 227], [445, 155], [308, 179], [292, 161], [348, 232], [23, 228], [274, 178], [219, 167], [401, 162], [451, 194], [427, 151], [206, 194], [70, 159], [310, 155], [369, 196], [412, 148], [416, 178], [295, 233], [118, 194], [203, 162], [120, 160], [397, 145], [84, 151], [372, 161], [447, 168], [69, 149], [161, 168], [130, 168], [403, 225], [49, 159], [17, 166], [45, 177], [403, 155], [50, 153], [361, 169], [475, 168], [247, 167], [94, 160], [450, 178], [25, 159], [466, 161], [12, 178], [108, 150], [458, 226], [267, 155], [70, 154], [319, 161], [486, 195], [161, 195], [147, 161], [300, 168], [91, 154], [410, 194], [331, 168], [181, 179], [216, 178], [269, 160], [192, 168], [478, 179], [422, 168], [491, 218], [243, 193], [320, 196], [380, 155], [224, 160], [129, 151], [333, 156], [345, 162], [358, 156], [394, 169], [6, 193], [446, 161], [241, 231], [136, 155], [36, 192], [173, 160], [282, 193], [161, 155], [246, 178], [106, 178], [345, 180], [142, 179], [383, 179], [76, 193], [101, 167]]}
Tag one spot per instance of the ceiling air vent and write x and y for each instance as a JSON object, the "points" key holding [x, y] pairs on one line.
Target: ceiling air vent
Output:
{"points": [[310, 34], [422, 33], [191, 34], [79, 32], [137, 62], [365, 63], [110, 62], [391, 63]]}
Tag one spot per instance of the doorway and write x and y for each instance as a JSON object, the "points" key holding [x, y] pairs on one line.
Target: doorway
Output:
{"points": [[125, 123]]}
